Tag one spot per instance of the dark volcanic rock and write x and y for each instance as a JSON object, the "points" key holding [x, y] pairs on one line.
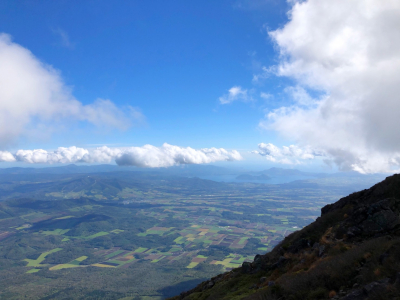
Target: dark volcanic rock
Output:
{"points": [[389, 188], [299, 245], [368, 220], [355, 295], [281, 261], [246, 267]]}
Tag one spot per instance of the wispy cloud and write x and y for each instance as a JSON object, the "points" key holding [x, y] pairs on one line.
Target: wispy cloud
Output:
{"points": [[33, 93], [147, 156], [65, 41], [236, 93], [265, 96], [264, 74]]}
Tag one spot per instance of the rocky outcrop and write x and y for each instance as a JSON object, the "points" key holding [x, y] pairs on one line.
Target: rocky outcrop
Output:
{"points": [[262, 263], [370, 290], [369, 220], [389, 188]]}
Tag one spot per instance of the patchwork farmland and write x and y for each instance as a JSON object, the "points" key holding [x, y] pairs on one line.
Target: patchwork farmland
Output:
{"points": [[139, 241]]}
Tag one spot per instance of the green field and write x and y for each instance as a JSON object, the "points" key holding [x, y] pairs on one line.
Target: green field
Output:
{"points": [[37, 262], [55, 231]]}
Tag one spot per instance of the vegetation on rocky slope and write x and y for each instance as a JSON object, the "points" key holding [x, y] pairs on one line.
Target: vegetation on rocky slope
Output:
{"points": [[351, 252]]}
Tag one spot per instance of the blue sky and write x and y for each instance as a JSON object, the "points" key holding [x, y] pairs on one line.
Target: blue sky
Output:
{"points": [[173, 62], [171, 59]]}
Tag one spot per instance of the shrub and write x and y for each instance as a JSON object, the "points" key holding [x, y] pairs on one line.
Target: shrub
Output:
{"points": [[319, 293], [332, 294]]}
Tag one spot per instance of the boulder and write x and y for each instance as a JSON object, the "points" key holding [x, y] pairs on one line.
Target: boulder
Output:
{"points": [[271, 283], [321, 250], [374, 288], [281, 261], [246, 267], [354, 295]]}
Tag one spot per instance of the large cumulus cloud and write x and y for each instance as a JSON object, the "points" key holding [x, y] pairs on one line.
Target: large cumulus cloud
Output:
{"points": [[347, 53], [33, 94], [147, 156]]}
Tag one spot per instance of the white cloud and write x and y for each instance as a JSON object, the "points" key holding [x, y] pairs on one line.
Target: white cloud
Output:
{"points": [[168, 155], [33, 93], [147, 156], [266, 73], [292, 155], [235, 93], [348, 52], [6, 156], [265, 95], [61, 155], [300, 96]]}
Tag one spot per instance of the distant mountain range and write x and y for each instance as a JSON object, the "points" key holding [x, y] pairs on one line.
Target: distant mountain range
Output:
{"points": [[250, 177], [183, 170], [278, 172], [273, 172], [208, 172]]}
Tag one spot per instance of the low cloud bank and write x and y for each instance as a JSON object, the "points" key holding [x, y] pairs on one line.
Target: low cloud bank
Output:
{"points": [[147, 156], [290, 155], [295, 155]]}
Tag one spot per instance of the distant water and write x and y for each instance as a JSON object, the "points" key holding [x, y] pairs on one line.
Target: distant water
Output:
{"points": [[273, 180]]}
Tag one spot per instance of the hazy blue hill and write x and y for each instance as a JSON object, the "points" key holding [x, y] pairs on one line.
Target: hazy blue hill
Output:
{"points": [[184, 170], [289, 172], [75, 181], [69, 169], [104, 185], [194, 170], [253, 177]]}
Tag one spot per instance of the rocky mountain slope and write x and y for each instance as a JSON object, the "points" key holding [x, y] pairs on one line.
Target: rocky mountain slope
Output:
{"points": [[351, 252]]}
